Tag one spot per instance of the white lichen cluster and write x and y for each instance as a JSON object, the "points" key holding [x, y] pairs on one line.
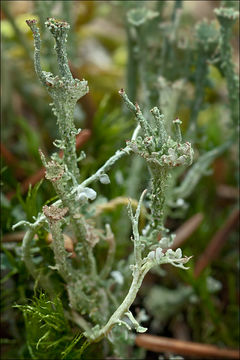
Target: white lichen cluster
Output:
{"points": [[175, 258]]}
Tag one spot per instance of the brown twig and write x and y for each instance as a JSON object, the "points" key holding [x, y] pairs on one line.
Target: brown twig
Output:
{"points": [[163, 344], [81, 139], [13, 237], [217, 242], [187, 229]]}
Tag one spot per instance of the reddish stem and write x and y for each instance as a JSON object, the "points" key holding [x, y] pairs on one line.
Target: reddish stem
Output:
{"points": [[217, 242], [193, 349]]}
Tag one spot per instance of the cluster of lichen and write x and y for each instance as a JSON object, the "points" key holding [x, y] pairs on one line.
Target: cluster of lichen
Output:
{"points": [[92, 288], [164, 62], [92, 303]]}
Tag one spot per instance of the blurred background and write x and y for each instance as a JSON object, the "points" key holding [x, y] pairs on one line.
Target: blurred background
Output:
{"points": [[200, 304]]}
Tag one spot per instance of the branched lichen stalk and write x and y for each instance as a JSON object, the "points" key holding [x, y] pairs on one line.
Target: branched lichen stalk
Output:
{"points": [[59, 30], [125, 305], [37, 47], [206, 41], [110, 162], [227, 17], [56, 174], [146, 128], [64, 90], [161, 153]]}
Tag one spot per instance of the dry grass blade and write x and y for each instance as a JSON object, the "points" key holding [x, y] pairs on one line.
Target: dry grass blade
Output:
{"points": [[201, 351], [217, 242], [13, 237], [187, 229]]}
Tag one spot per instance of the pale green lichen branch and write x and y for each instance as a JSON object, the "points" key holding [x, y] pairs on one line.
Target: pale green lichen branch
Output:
{"points": [[54, 216], [159, 121], [146, 128], [59, 30], [227, 18], [26, 252], [136, 236], [109, 163], [37, 47], [135, 323], [138, 276], [139, 270], [64, 90], [111, 252], [59, 177], [154, 258]]}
